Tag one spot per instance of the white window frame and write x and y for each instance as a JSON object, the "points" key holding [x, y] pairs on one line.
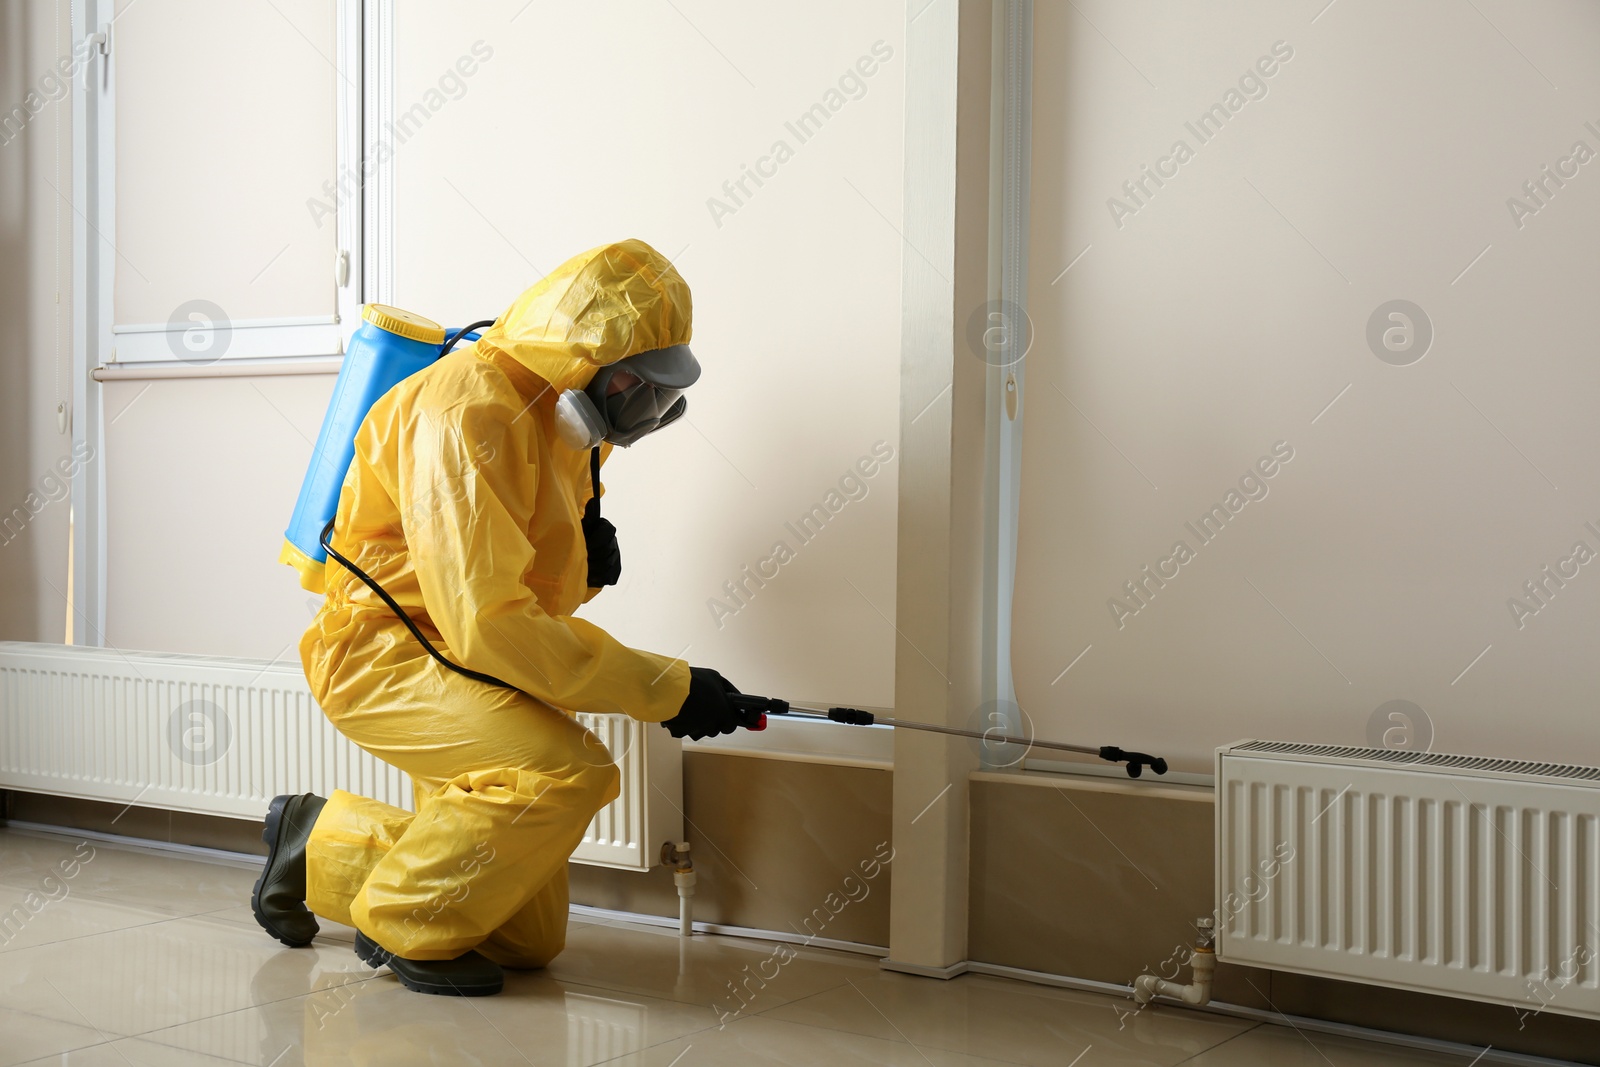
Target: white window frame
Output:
{"points": [[92, 277], [278, 339], [101, 346], [375, 74]]}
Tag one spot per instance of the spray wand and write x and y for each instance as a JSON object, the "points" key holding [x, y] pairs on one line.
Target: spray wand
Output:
{"points": [[756, 709]]}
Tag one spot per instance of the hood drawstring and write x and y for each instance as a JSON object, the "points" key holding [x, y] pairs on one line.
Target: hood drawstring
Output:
{"points": [[599, 535]]}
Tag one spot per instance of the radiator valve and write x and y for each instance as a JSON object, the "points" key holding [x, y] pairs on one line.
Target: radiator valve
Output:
{"points": [[1203, 967], [675, 854]]}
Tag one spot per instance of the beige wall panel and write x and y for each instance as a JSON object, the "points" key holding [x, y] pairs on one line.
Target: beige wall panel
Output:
{"points": [[1097, 883], [772, 840]]}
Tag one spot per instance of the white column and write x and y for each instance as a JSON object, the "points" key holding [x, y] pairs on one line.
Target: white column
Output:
{"points": [[940, 569]]}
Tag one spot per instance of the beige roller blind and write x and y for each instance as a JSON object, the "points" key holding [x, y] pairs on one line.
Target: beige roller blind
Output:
{"points": [[763, 154], [224, 131], [1262, 497]]}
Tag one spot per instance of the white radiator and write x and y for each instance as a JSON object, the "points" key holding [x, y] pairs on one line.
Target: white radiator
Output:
{"points": [[224, 736], [1456, 875]]}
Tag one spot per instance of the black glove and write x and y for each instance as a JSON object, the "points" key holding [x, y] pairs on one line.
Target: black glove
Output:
{"points": [[706, 711]]}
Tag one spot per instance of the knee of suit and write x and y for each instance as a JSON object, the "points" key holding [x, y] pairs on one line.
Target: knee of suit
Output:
{"points": [[573, 783], [588, 787]]}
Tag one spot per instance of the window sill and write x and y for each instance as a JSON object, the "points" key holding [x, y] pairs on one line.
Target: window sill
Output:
{"points": [[223, 368]]}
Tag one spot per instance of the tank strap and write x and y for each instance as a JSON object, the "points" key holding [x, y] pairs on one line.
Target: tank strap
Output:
{"points": [[372, 583]]}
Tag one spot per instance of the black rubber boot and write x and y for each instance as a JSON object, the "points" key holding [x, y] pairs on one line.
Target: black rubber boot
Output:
{"points": [[279, 900], [468, 975]]}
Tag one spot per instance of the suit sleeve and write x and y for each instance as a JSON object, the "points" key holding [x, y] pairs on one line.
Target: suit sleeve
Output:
{"points": [[467, 482]]}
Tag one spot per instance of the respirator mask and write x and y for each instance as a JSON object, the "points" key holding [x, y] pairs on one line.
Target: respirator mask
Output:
{"points": [[652, 398]]}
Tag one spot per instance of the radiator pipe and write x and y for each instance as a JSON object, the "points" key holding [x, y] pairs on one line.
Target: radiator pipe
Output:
{"points": [[676, 856], [1203, 968]]}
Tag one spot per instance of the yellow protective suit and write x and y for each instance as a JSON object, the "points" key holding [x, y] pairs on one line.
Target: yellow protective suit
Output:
{"points": [[463, 503]]}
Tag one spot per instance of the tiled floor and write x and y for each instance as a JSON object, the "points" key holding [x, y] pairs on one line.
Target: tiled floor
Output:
{"points": [[111, 956]]}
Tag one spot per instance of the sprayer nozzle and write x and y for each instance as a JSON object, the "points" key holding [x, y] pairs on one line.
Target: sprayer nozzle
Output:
{"points": [[1136, 761]]}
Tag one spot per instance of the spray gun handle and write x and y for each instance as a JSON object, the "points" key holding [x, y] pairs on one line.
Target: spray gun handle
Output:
{"points": [[753, 710]]}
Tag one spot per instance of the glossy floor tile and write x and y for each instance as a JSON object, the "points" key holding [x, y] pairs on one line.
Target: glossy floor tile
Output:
{"points": [[50, 914], [979, 1016], [1281, 1046], [160, 882], [118, 956], [768, 1041], [721, 974], [130, 1052], [536, 1020], [28, 1037]]}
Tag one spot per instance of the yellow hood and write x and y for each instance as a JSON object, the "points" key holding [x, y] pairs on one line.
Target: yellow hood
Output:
{"points": [[604, 305]]}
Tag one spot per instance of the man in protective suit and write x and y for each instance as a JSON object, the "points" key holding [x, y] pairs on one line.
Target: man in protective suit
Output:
{"points": [[472, 500]]}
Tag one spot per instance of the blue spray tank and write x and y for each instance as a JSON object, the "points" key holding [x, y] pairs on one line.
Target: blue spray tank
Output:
{"points": [[389, 346]]}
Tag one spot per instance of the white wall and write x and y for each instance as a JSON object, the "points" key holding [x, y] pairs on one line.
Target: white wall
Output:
{"points": [[1229, 310], [201, 476], [590, 123]]}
